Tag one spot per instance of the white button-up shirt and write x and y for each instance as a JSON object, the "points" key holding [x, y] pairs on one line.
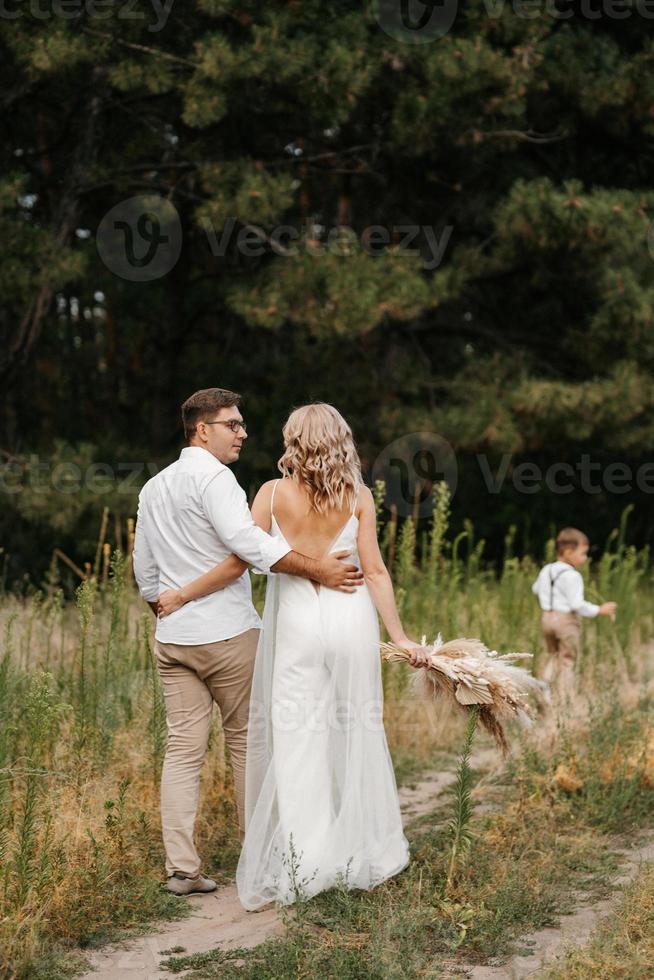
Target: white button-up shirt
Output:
{"points": [[191, 516], [559, 586]]}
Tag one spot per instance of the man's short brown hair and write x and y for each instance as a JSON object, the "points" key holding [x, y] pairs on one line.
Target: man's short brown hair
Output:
{"points": [[569, 537], [203, 405]]}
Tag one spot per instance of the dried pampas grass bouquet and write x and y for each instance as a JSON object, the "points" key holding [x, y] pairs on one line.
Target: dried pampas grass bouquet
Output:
{"points": [[463, 673]]}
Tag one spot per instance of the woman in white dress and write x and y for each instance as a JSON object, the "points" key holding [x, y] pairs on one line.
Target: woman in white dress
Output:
{"points": [[321, 803]]}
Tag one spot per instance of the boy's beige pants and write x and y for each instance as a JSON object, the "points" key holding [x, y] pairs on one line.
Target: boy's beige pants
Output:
{"points": [[562, 632], [193, 677]]}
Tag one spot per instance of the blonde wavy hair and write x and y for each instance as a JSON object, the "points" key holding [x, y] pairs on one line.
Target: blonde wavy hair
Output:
{"points": [[319, 453]]}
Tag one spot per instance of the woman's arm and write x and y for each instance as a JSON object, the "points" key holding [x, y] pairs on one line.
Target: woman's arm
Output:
{"points": [[379, 581], [223, 574]]}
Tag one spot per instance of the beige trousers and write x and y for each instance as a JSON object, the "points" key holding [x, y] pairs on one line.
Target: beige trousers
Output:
{"points": [[562, 633], [193, 677]]}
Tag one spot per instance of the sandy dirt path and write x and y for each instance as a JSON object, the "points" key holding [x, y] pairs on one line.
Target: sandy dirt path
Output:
{"points": [[219, 920]]}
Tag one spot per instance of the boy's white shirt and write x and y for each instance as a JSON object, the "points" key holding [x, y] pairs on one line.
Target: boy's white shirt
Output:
{"points": [[568, 592]]}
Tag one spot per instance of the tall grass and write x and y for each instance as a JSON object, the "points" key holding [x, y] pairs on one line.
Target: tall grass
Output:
{"points": [[82, 721], [459, 826]]}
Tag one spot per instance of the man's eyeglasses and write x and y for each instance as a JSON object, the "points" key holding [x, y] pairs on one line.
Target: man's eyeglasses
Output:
{"points": [[234, 424]]}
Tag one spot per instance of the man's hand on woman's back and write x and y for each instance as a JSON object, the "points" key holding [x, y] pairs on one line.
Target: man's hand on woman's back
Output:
{"points": [[338, 574]]}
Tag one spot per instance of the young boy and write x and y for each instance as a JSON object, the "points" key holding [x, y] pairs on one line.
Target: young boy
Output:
{"points": [[560, 591]]}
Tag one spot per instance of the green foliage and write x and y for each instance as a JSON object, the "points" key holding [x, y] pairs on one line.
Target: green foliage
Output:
{"points": [[247, 193], [507, 144], [42, 713], [379, 492], [439, 525], [344, 293], [459, 824]]}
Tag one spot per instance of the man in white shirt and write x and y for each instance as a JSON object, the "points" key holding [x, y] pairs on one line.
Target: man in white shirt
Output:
{"points": [[560, 591], [191, 515]]}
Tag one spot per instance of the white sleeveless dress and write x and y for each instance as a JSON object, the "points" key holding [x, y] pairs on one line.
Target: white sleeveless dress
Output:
{"points": [[321, 799]]}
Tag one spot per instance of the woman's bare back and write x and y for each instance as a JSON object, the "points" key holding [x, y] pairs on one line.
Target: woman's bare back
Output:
{"points": [[306, 531]]}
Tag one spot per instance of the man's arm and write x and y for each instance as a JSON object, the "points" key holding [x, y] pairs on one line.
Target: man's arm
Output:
{"points": [[213, 581], [146, 570], [227, 508]]}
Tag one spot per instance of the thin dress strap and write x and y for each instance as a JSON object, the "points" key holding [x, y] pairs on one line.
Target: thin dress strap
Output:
{"points": [[356, 498], [272, 496]]}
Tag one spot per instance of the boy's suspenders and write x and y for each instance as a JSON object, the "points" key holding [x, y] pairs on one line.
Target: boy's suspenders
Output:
{"points": [[552, 581]]}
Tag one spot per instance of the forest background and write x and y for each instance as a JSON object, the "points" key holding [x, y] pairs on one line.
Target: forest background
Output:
{"points": [[443, 228]]}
